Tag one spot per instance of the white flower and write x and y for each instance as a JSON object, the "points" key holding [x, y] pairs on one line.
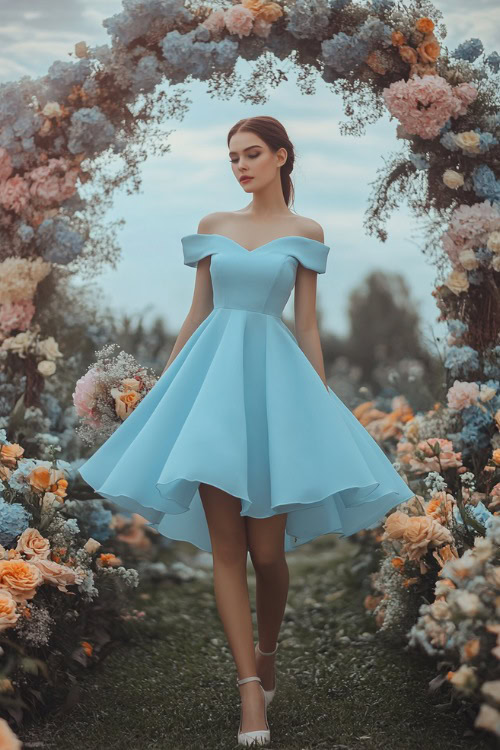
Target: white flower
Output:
{"points": [[46, 367], [453, 179]]}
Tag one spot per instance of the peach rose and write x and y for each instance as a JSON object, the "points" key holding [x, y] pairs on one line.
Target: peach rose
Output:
{"points": [[32, 544], [429, 50], [395, 525], [131, 384], [496, 456], [4, 473], [468, 259], [8, 740], [254, 5], [9, 454], [8, 610], [20, 577], [270, 12], [59, 575]]}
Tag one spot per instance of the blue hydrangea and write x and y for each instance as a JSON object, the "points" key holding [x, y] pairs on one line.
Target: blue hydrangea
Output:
{"points": [[484, 255], [475, 435], [14, 519], [60, 243], [72, 526], [307, 19], [138, 17], [382, 5], [456, 327], [419, 161], [475, 276], [99, 523], [447, 140], [90, 131], [493, 60], [461, 360], [485, 183], [25, 233], [147, 75], [62, 76], [375, 32], [3, 436], [344, 53], [185, 56], [479, 512], [469, 50]]}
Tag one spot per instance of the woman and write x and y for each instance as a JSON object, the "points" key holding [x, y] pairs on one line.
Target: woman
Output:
{"points": [[241, 446]]}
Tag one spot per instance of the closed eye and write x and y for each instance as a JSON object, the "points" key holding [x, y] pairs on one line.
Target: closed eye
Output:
{"points": [[252, 156]]}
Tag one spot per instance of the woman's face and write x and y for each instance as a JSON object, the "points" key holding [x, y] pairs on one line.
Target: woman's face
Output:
{"points": [[251, 157]]}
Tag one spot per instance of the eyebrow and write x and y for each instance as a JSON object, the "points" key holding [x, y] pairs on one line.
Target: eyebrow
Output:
{"points": [[255, 145]]}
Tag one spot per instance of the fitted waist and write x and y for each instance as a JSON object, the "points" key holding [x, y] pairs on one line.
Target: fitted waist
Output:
{"points": [[246, 309]]}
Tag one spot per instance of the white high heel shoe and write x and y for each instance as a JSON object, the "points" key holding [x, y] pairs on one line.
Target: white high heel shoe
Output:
{"points": [[269, 694], [257, 736]]}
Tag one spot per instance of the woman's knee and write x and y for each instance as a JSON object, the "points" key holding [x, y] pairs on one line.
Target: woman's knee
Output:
{"points": [[226, 527]]}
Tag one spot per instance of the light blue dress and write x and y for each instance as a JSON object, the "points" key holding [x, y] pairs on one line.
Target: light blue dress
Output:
{"points": [[242, 408]]}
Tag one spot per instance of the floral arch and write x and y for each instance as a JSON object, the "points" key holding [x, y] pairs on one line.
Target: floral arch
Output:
{"points": [[59, 133]]}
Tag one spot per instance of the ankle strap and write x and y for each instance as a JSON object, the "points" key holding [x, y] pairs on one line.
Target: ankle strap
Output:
{"points": [[248, 679], [267, 653]]}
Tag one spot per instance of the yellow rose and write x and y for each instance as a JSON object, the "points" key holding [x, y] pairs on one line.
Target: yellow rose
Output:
{"points": [[468, 141], [457, 282], [453, 179]]}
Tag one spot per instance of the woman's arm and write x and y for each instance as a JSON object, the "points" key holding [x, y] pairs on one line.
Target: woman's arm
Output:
{"points": [[201, 306]]}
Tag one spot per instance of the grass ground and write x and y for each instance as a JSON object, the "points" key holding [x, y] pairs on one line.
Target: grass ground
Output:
{"points": [[341, 684]]}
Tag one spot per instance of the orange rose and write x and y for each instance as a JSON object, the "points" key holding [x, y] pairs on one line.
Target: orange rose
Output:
{"points": [[397, 38], [108, 560], [20, 577], [59, 575], [32, 544], [270, 12], [408, 54], [496, 456], [10, 453], [429, 50], [8, 614], [425, 25], [42, 478]]}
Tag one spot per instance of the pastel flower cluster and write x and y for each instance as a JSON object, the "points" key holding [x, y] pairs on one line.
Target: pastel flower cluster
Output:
{"points": [[424, 104], [249, 16], [108, 392], [421, 58], [29, 343], [472, 228]]}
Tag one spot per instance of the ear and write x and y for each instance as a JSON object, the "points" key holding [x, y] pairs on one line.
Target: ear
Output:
{"points": [[282, 155]]}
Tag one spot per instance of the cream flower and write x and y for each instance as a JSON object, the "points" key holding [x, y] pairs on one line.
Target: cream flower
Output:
{"points": [[50, 502], [59, 575], [493, 242], [468, 260], [457, 282], [46, 367], [91, 545], [52, 109], [468, 602], [48, 348], [131, 384], [468, 141], [453, 179]]}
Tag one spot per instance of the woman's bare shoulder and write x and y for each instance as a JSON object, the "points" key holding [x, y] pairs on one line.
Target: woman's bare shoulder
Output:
{"points": [[310, 228], [209, 223]]}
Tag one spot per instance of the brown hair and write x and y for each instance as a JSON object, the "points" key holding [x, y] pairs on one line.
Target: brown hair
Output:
{"points": [[272, 132]]}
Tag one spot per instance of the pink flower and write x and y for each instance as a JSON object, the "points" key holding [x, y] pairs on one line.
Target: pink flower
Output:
{"points": [[469, 228], [5, 164], [14, 194], [462, 394], [84, 394], [53, 182], [239, 20], [215, 21], [16, 315], [424, 104]]}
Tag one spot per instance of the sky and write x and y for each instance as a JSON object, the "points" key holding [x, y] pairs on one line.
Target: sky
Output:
{"points": [[332, 175]]}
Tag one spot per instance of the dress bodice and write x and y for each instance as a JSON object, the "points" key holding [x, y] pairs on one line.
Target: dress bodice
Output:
{"points": [[259, 280]]}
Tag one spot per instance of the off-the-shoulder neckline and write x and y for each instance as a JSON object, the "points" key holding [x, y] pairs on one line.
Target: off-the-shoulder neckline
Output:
{"points": [[246, 250]]}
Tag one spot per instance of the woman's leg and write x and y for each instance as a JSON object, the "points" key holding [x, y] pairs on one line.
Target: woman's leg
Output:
{"points": [[266, 544], [229, 551]]}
